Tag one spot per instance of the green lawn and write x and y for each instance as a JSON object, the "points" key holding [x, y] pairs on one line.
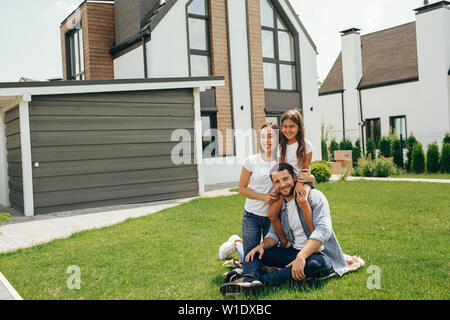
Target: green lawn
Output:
{"points": [[401, 227]]}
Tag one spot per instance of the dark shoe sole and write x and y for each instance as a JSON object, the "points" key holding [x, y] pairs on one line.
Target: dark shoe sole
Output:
{"points": [[232, 289]]}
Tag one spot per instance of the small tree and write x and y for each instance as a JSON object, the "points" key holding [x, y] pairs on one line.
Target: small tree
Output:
{"points": [[397, 152], [333, 147], [324, 150], [433, 158], [418, 159], [385, 147], [410, 142], [356, 151], [370, 148], [445, 158]]}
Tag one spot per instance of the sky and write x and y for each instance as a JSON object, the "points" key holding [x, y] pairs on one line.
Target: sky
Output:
{"points": [[30, 44]]}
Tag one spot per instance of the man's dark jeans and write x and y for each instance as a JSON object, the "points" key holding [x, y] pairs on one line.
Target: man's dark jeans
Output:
{"points": [[317, 265]]}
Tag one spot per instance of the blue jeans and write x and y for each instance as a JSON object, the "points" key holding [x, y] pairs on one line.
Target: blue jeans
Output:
{"points": [[317, 265], [254, 229]]}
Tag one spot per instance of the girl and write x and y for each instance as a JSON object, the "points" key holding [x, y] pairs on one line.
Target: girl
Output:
{"points": [[260, 195], [296, 150]]}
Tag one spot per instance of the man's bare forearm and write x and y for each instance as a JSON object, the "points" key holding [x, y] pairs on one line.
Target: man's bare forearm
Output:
{"points": [[311, 246], [268, 243]]}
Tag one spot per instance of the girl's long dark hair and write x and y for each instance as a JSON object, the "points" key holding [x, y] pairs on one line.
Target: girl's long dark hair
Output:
{"points": [[297, 118]]}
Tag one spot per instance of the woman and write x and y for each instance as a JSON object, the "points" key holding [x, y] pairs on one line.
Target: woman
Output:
{"points": [[255, 184]]}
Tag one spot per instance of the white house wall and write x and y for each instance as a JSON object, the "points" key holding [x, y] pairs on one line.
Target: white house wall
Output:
{"points": [[330, 109], [130, 65], [396, 100], [167, 51]]}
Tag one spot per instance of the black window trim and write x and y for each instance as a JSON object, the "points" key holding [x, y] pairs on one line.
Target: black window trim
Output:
{"points": [[69, 59], [391, 118], [197, 52], [366, 121], [213, 125], [277, 60]]}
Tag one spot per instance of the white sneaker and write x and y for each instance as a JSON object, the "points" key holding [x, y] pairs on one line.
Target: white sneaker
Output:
{"points": [[227, 248]]}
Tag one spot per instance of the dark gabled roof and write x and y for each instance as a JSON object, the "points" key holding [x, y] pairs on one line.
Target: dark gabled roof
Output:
{"points": [[388, 56]]}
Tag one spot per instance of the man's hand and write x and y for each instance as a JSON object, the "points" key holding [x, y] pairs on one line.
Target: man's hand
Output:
{"points": [[258, 249], [298, 268]]}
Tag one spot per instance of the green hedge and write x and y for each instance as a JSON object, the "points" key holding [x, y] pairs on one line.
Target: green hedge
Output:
{"points": [[433, 158], [321, 171], [418, 159], [445, 158]]}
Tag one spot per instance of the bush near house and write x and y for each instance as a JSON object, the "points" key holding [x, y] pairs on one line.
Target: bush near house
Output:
{"points": [[380, 167], [371, 148], [418, 159], [385, 147], [433, 158], [445, 158], [321, 171], [345, 144], [365, 167], [333, 147], [397, 152], [410, 143], [446, 139], [324, 150], [4, 217], [356, 152]]}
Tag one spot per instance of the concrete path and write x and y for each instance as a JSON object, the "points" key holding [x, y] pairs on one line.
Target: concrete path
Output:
{"points": [[336, 177], [23, 232]]}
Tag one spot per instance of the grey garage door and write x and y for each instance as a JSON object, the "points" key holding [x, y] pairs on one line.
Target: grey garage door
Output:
{"points": [[100, 149]]}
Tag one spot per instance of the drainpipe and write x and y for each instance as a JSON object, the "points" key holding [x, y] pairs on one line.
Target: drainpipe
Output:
{"points": [[362, 123], [146, 33], [343, 114]]}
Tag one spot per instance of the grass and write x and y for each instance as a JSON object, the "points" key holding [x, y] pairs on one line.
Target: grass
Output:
{"points": [[401, 227]]}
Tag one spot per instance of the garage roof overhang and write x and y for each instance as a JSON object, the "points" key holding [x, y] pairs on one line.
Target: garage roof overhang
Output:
{"points": [[11, 93]]}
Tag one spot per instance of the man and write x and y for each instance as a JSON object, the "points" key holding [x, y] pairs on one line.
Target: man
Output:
{"points": [[313, 255]]}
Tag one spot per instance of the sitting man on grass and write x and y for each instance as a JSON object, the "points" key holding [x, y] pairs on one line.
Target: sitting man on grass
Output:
{"points": [[313, 255]]}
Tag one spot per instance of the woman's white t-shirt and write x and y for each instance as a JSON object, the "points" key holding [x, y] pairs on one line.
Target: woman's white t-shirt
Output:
{"points": [[291, 154], [260, 182]]}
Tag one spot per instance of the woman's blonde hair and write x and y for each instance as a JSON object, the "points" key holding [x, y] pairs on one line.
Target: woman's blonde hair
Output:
{"points": [[296, 116]]}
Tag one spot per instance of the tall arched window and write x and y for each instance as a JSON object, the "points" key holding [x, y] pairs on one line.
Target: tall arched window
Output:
{"points": [[277, 49], [198, 26]]}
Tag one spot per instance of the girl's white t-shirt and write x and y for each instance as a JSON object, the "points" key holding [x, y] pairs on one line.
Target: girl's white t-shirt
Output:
{"points": [[260, 182], [291, 154]]}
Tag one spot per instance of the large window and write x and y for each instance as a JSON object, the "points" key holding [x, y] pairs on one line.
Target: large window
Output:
{"points": [[398, 127], [278, 50], [198, 25], [373, 130], [209, 134], [75, 54]]}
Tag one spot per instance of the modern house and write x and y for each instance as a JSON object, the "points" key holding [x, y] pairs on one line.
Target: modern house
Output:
{"points": [[260, 47], [395, 78]]}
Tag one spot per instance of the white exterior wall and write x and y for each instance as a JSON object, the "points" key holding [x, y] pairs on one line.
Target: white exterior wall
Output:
{"points": [[396, 100], [433, 50], [330, 109], [167, 51], [4, 189], [309, 89], [130, 65]]}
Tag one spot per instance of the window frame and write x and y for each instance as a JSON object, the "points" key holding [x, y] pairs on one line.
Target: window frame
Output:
{"points": [[197, 52], [276, 60], [391, 126], [213, 126], [367, 121], [70, 54]]}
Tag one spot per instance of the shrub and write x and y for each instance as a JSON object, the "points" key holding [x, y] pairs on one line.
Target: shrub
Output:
{"points": [[397, 152], [324, 150], [418, 159], [445, 158], [446, 139], [4, 217], [365, 167], [333, 147], [345, 144], [356, 151], [321, 172], [410, 143], [384, 167], [433, 158], [385, 147], [371, 148]]}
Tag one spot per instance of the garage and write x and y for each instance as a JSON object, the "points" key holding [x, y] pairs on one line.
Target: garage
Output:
{"points": [[81, 144]]}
